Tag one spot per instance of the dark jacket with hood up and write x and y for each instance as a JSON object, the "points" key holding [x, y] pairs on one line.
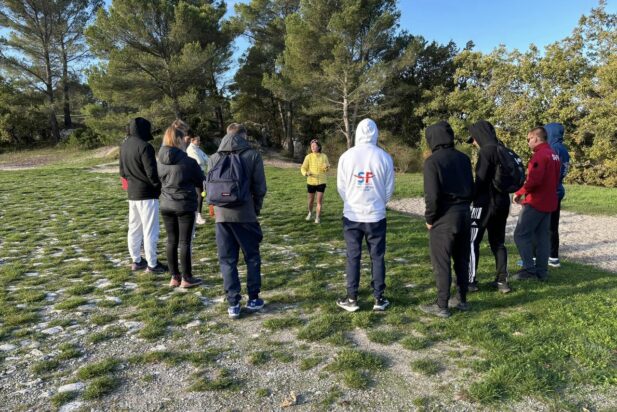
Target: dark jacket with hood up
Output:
{"points": [[554, 132], [138, 162], [179, 175], [254, 167], [448, 180], [485, 194]]}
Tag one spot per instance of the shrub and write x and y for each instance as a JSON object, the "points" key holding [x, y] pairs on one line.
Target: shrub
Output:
{"points": [[85, 138]]}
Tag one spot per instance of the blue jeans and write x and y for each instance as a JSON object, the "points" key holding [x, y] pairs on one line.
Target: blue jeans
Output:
{"points": [[375, 236], [230, 238]]}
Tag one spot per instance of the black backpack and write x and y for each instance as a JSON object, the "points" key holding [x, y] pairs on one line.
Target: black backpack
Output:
{"points": [[227, 183], [510, 173]]}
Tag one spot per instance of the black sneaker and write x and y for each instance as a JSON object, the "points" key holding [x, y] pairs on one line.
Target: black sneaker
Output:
{"points": [[381, 304], [502, 287], [190, 282], [159, 268], [455, 303], [524, 274], [141, 265], [435, 310], [350, 305], [473, 287]]}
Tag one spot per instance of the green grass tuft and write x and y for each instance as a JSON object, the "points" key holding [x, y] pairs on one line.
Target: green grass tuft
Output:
{"points": [[101, 386], [95, 370], [222, 381], [427, 366], [354, 359]]}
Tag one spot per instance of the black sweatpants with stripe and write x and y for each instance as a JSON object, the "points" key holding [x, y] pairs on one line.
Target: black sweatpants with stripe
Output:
{"points": [[449, 241], [493, 221]]}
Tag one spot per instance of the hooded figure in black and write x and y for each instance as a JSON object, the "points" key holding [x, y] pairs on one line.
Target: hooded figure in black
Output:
{"points": [[138, 162], [490, 207], [138, 167], [448, 190]]}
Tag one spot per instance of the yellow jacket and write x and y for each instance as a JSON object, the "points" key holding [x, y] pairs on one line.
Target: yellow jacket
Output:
{"points": [[315, 166]]}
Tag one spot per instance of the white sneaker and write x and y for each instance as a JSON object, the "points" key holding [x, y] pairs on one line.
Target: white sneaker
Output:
{"points": [[309, 216], [554, 262], [200, 220], [317, 219]]}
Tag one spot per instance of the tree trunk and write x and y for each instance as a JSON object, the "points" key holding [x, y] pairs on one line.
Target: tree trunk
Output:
{"points": [[218, 112], [68, 122], [283, 124], [289, 137], [346, 125], [354, 120], [218, 108], [53, 122]]}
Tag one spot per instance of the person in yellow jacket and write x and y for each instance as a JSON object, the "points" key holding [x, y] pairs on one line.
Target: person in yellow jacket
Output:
{"points": [[314, 167]]}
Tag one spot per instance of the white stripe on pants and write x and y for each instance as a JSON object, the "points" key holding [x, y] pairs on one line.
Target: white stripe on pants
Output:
{"points": [[143, 227]]}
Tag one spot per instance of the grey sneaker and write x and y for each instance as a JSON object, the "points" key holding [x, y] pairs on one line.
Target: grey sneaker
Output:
{"points": [[350, 305], [141, 265], [435, 310], [473, 287], [455, 302], [381, 304], [554, 262], [159, 268]]}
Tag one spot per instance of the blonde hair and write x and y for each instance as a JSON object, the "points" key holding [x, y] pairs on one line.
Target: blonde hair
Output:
{"points": [[174, 137]]}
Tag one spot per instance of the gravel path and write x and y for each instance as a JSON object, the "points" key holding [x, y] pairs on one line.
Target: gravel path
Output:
{"points": [[586, 239]]}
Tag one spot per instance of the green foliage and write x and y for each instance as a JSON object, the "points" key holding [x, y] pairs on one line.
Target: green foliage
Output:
{"points": [[161, 60], [84, 139]]}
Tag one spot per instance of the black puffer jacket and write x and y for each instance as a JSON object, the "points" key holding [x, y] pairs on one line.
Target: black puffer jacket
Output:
{"points": [[180, 175], [448, 180], [138, 162], [485, 194]]}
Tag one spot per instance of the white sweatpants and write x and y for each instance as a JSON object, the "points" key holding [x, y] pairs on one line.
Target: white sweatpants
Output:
{"points": [[143, 227]]}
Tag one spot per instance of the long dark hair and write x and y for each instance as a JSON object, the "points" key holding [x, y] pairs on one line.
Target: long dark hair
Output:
{"points": [[318, 144]]}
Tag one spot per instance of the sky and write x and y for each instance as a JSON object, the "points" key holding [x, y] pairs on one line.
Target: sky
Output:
{"points": [[489, 23]]}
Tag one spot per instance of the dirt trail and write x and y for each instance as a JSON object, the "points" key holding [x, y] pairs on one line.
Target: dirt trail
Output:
{"points": [[586, 239]]}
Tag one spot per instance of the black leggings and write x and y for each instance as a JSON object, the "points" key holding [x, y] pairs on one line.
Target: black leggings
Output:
{"points": [[179, 227], [200, 199]]}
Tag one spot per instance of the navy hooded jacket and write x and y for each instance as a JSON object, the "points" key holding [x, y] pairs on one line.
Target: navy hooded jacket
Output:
{"points": [[554, 133]]}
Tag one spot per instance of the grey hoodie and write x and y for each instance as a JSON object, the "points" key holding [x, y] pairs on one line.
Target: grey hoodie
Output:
{"points": [[254, 166]]}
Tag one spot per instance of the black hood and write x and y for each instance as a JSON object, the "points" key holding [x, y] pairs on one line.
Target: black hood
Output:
{"points": [[484, 133], [439, 135], [171, 155], [140, 128]]}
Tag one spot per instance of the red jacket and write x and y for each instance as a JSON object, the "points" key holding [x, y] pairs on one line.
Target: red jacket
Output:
{"points": [[540, 188]]}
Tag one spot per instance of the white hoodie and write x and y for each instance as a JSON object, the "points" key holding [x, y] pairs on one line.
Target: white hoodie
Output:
{"points": [[365, 177]]}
